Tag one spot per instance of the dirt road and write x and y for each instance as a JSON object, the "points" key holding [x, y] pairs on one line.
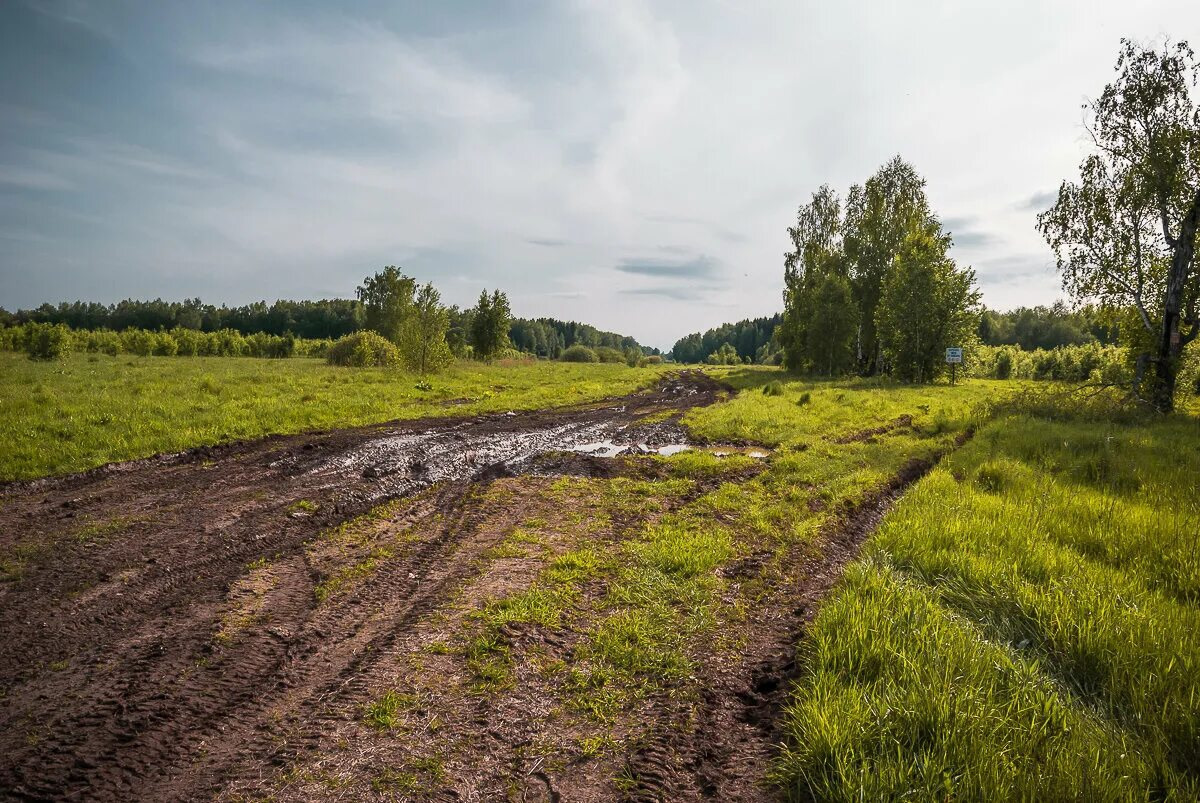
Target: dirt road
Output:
{"points": [[117, 580], [211, 625]]}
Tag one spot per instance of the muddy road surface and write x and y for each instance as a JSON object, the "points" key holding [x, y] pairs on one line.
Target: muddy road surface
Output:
{"points": [[323, 617], [121, 588]]}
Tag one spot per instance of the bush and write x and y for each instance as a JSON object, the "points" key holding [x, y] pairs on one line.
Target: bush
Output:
{"points": [[774, 388], [579, 353], [46, 341], [605, 354], [652, 359], [362, 350]]}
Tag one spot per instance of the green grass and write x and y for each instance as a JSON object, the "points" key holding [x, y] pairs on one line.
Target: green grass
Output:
{"points": [[1022, 627], [385, 713], [89, 410], [775, 411]]}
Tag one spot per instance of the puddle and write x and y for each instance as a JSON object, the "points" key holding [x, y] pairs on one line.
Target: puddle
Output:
{"points": [[601, 449]]}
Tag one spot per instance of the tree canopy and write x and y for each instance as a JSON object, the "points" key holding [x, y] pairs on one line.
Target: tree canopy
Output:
{"points": [[1124, 234], [869, 286]]}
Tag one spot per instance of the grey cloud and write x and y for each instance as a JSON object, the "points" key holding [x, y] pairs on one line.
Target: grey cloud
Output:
{"points": [[673, 293], [1038, 202], [696, 268], [965, 233], [1012, 269], [546, 242]]}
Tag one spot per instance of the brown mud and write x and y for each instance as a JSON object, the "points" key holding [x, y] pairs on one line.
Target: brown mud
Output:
{"points": [[213, 624]]}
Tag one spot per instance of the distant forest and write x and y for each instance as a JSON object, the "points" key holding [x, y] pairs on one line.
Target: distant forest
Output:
{"points": [[330, 318], [753, 339], [1030, 328]]}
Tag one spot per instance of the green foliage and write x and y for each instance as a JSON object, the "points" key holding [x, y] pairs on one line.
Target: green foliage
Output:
{"points": [[387, 302], [605, 354], [1048, 327], [1124, 236], [364, 350], [870, 286], [549, 337], [176, 342], [1086, 363], [490, 322], [725, 355], [44, 341], [754, 340], [307, 319], [423, 336], [831, 325], [927, 305], [579, 354], [879, 216]]}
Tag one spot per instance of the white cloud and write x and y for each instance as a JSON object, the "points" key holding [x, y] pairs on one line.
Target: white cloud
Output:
{"points": [[537, 154]]}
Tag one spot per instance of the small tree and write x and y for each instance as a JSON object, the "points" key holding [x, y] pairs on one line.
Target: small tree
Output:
{"points": [[387, 302], [1125, 235], [927, 305], [490, 322], [423, 338], [832, 325]]}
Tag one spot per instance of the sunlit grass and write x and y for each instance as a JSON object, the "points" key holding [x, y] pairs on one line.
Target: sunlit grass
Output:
{"points": [[94, 409], [798, 412], [1023, 627]]}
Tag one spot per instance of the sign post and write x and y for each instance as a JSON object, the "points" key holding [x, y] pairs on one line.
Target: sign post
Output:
{"points": [[953, 357]]}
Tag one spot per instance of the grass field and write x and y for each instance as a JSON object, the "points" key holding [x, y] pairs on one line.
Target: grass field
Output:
{"points": [[89, 410], [1021, 627]]}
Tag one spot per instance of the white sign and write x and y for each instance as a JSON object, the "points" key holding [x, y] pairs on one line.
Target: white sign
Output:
{"points": [[953, 355]]}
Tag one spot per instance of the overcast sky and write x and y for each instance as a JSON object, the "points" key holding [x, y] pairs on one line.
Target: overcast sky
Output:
{"points": [[630, 164]]}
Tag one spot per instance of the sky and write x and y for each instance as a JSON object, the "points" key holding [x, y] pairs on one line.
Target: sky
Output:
{"points": [[628, 163]]}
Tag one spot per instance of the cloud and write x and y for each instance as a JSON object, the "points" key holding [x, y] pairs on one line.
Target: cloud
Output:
{"points": [[673, 293], [1014, 269], [1038, 202], [965, 233], [546, 242], [695, 268]]}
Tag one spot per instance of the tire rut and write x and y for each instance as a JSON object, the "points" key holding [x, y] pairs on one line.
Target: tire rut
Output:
{"points": [[113, 685]]}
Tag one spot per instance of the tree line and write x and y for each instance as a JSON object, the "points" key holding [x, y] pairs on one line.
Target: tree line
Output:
{"points": [[550, 337], [749, 340], [329, 318], [386, 303]]}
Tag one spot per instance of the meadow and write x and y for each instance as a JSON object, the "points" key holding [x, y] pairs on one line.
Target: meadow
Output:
{"points": [[88, 410], [1020, 625]]}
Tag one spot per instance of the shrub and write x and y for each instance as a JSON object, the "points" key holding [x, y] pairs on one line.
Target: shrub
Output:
{"points": [[652, 359], [579, 353], [605, 354], [774, 388], [46, 341], [363, 349]]}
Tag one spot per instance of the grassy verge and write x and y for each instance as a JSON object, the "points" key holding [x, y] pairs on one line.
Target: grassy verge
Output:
{"points": [[90, 410], [1022, 627], [773, 410]]}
